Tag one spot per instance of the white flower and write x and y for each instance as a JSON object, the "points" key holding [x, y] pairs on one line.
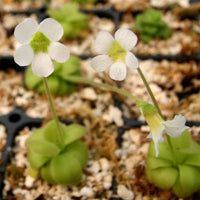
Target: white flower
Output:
{"points": [[158, 125], [39, 45], [173, 128], [115, 53]]}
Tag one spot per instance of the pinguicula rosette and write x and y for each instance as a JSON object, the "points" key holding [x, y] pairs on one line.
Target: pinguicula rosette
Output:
{"points": [[179, 169], [39, 45], [116, 53], [56, 163]]}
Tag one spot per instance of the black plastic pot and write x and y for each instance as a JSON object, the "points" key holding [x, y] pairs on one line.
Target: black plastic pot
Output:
{"points": [[14, 122]]}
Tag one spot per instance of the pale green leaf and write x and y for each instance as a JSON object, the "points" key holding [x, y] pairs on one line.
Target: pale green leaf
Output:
{"points": [[73, 132], [43, 147], [188, 181], [79, 150], [153, 162], [163, 178], [36, 160], [65, 169]]}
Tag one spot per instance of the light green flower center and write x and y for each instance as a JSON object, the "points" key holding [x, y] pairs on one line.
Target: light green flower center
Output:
{"points": [[117, 52], [39, 43]]}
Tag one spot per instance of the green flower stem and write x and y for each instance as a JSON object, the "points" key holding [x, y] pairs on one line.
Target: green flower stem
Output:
{"points": [[149, 90], [155, 104], [77, 79], [60, 133]]}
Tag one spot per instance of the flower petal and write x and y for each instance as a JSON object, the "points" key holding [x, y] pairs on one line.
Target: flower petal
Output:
{"points": [[131, 60], [118, 71], [58, 52], [25, 30], [126, 38], [157, 137], [23, 56], [103, 42], [175, 127], [101, 63], [52, 29], [42, 65]]}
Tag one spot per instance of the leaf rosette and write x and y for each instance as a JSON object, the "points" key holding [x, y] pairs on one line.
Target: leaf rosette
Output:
{"points": [[56, 163], [178, 170]]}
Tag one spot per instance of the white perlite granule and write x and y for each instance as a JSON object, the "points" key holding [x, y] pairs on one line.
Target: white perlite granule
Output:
{"points": [[124, 193]]}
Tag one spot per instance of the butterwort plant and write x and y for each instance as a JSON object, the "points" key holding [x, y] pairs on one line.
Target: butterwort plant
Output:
{"points": [[55, 151], [173, 162]]}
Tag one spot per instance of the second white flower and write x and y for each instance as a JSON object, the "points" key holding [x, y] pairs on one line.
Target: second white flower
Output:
{"points": [[115, 53]]}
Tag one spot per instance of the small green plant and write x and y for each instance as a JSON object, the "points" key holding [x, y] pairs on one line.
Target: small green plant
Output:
{"points": [[55, 162], [178, 169], [72, 20], [150, 25], [55, 151], [57, 83]]}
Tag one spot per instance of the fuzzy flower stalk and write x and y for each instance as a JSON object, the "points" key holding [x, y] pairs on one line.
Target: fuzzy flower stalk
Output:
{"points": [[115, 53], [39, 45]]}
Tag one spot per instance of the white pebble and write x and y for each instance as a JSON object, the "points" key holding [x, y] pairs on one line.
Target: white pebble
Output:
{"points": [[125, 144], [89, 93], [86, 191], [21, 140], [2, 132], [7, 185], [95, 168], [124, 193], [21, 160], [144, 148], [29, 181], [126, 136], [116, 115], [98, 177], [133, 148], [135, 136], [107, 183], [104, 164], [75, 194]]}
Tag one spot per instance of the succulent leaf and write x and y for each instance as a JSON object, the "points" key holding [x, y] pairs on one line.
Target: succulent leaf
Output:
{"points": [[188, 181]]}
